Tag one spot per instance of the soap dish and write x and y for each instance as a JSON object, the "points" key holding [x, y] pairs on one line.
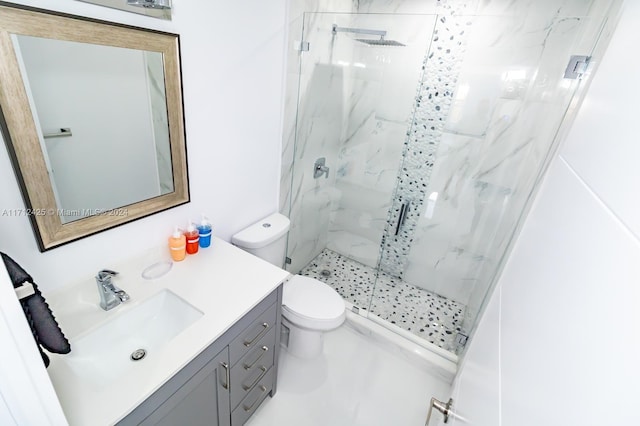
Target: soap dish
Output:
{"points": [[157, 270]]}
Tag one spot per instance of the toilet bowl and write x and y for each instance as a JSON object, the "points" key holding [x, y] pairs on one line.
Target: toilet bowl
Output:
{"points": [[309, 307]]}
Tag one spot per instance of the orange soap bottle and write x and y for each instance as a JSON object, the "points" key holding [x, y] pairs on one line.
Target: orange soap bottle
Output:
{"points": [[178, 245], [193, 239]]}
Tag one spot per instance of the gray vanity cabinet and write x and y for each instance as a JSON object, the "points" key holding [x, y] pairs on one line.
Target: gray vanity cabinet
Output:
{"points": [[225, 384], [202, 400]]}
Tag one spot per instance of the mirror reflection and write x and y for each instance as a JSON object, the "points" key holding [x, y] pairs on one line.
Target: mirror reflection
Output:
{"points": [[101, 117]]}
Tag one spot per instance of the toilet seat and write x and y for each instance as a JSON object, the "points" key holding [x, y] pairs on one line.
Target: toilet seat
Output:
{"points": [[312, 304]]}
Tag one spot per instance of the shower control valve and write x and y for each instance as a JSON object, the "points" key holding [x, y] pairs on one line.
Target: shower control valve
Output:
{"points": [[320, 169]]}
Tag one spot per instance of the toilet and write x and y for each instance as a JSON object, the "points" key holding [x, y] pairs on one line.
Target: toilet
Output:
{"points": [[309, 307]]}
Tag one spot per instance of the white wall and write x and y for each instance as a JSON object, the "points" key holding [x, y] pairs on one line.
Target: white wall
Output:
{"points": [[5, 415], [558, 341], [233, 67]]}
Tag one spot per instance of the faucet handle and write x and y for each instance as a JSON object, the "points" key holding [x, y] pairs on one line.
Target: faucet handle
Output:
{"points": [[110, 295], [122, 295], [106, 274]]}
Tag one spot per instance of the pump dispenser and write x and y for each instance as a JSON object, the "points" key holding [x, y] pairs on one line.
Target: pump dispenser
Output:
{"points": [[204, 231], [193, 238], [177, 245]]}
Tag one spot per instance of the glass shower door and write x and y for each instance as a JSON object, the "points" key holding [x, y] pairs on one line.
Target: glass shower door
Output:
{"points": [[483, 132], [355, 103], [433, 150]]}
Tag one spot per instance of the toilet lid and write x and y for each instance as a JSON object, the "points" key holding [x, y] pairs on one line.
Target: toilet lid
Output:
{"points": [[311, 298]]}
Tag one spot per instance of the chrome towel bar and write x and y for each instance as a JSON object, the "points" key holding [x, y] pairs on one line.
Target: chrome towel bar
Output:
{"points": [[64, 131]]}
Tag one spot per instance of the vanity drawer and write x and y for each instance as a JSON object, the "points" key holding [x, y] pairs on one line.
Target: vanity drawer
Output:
{"points": [[252, 368], [253, 399], [252, 335]]}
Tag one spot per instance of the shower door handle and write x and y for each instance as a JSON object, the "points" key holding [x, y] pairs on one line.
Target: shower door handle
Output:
{"points": [[404, 209], [441, 407]]}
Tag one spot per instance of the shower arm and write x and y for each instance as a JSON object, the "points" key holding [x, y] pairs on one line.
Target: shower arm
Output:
{"points": [[337, 29]]}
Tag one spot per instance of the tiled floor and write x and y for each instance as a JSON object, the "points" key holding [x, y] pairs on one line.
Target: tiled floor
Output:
{"points": [[427, 315], [356, 382]]}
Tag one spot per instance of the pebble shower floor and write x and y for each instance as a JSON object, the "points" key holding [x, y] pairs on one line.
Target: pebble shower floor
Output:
{"points": [[433, 318]]}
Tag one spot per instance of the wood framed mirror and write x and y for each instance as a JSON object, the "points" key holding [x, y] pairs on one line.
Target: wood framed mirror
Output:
{"points": [[92, 117]]}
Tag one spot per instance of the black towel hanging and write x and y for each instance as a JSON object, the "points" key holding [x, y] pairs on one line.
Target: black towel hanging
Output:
{"points": [[44, 327]]}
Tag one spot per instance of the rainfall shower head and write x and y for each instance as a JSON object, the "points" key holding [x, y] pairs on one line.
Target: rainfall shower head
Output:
{"points": [[381, 42], [151, 4], [372, 42]]}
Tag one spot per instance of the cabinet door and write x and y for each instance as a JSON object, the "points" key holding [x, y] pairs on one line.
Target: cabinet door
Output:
{"points": [[202, 401]]}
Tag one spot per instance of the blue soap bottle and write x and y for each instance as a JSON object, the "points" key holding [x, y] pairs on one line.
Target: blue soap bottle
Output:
{"points": [[204, 229]]}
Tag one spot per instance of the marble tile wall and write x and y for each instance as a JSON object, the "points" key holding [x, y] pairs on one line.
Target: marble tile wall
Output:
{"points": [[378, 93], [379, 99], [366, 115], [431, 7], [495, 145], [313, 129], [319, 136], [296, 81], [430, 111], [535, 8], [480, 7], [542, 112]]}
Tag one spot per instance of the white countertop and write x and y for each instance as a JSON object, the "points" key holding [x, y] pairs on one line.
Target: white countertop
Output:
{"points": [[221, 281]]}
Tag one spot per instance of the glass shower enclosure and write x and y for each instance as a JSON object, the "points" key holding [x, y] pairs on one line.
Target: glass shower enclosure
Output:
{"points": [[434, 130]]}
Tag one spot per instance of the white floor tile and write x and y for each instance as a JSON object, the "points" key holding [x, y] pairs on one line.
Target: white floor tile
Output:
{"points": [[357, 382]]}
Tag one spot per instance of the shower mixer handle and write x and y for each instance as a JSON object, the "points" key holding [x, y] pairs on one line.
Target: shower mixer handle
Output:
{"points": [[320, 169]]}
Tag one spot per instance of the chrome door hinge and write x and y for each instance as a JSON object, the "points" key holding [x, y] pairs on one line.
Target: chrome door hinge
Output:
{"points": [[461, 340], [287, 260], [440, 406], [301, 46], [577, 67]]}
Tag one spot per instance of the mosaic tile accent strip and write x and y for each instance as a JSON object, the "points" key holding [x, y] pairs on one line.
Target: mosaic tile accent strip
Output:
{"points": [[434, 318], [433, 101]]}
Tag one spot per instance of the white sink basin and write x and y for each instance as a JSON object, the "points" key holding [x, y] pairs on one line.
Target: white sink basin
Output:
{"points": [[104, 353]]}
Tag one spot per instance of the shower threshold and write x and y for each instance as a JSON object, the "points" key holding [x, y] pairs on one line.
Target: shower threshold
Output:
{"points": [[426, 315]]}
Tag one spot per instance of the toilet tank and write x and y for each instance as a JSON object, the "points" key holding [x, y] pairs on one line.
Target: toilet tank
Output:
{"points": [[266, 239]]}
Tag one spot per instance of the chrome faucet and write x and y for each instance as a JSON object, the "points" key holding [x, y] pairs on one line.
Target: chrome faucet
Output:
{"points": [[110, 295]]}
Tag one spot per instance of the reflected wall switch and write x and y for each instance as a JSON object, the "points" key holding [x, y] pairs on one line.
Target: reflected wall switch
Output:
{"points": [[431, 205], [301, 45]]}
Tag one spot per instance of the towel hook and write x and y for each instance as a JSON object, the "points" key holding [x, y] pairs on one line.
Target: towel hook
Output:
{"points": [[24, 290]]}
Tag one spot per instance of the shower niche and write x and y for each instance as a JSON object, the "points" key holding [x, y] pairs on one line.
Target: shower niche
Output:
{"points": [[437, 125]]}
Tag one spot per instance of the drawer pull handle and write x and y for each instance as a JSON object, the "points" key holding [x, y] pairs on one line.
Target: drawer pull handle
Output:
{"points": [[265, 327], [260, 376], [226, 374], [265, 349], [249, 408]]}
